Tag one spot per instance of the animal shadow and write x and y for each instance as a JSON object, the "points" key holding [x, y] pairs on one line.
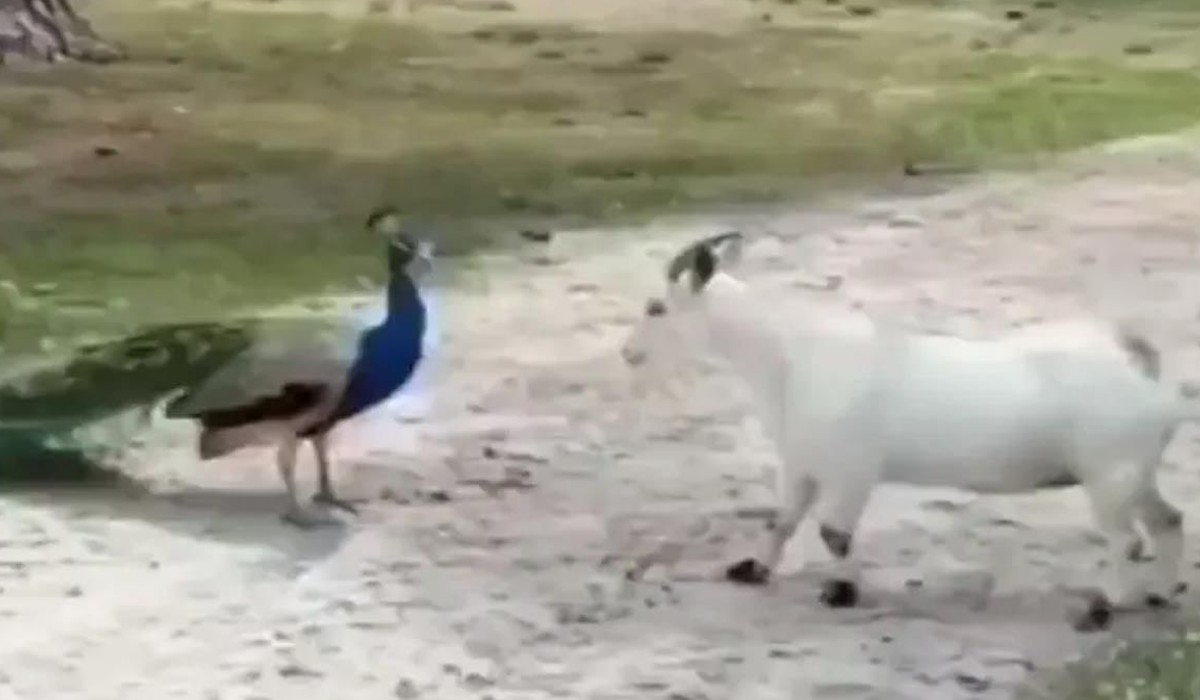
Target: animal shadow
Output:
{"points": [[81, 488]]}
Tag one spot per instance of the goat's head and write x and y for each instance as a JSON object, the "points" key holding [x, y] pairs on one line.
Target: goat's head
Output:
{"points": [[675, 321]]}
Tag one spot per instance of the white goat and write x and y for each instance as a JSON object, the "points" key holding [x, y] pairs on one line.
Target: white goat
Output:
{"points": [[850, 404]]}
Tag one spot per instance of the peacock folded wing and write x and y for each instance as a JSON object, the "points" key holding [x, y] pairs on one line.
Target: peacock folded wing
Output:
{"points": [[98, 380], [290, 359]]}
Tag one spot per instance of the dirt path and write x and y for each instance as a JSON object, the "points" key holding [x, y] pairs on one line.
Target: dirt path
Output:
{"points": [[442, 590]]}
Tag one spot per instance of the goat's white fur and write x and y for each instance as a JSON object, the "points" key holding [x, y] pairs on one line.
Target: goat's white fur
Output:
{"points": [[850, 404]]}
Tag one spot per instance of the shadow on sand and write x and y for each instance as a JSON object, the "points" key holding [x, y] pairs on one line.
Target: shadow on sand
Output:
{"points": [[78, 487]]}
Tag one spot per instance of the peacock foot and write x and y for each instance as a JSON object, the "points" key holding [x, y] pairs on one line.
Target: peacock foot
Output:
{"points": [[306, 520], [328, 500]]}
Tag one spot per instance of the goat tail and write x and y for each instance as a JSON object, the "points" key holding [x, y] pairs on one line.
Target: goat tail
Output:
{"points": [[1147, 359]]}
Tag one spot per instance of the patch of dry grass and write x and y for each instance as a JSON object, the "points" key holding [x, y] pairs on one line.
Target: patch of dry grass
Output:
{"points": [[231, 161]]}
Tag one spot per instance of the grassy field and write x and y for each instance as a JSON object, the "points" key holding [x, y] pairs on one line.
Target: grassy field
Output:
{"points": [[230, 162], [1162, 669]]}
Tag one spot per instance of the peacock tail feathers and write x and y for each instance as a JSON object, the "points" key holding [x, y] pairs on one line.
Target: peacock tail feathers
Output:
{"points": [[28, 457], [290, 351], [100, 380]]}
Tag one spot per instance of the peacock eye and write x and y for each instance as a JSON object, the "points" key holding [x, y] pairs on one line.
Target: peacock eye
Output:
{"points": [[655, 307]]}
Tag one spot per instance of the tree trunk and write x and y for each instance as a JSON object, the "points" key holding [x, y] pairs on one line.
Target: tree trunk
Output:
{"points": [[51, 30]]}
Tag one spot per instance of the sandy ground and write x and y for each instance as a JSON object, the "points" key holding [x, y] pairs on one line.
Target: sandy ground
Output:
{"points": [[529, 454]]}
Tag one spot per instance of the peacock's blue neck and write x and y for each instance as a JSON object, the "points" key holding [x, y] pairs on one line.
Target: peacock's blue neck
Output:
{"points": [[388, 353]]}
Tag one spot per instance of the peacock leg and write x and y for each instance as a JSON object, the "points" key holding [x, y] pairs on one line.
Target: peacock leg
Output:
{"points": [[325, 495], [295, 513]]}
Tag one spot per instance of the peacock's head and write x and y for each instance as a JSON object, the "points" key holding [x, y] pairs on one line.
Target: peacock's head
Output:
{"points": [[407, 253]]}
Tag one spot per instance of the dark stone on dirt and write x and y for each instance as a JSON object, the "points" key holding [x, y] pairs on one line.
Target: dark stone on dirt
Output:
{"points": [[537, 236], [524, 36], [839, 593], [973, 684], [297, 671], [654, 57], [437, 496], [406, 690], [1097, 617], [913, 169], [748, 571]]}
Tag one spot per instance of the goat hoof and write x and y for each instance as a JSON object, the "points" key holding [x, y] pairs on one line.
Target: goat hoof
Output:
{"points": [[1097, 617], [839, 593], [748, 571], [1169, 600]]}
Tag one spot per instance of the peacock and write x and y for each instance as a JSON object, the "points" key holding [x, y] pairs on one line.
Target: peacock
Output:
{"points": [[240, 384]]}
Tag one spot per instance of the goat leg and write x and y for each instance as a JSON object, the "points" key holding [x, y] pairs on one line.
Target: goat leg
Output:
{"points": [[1164, 524], [1114, 506], [798, 493], [841, 509]]}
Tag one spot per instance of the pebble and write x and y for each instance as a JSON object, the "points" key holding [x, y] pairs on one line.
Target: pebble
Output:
{"points": [[406, 690], [972, 683], [294, 670], [906, 221], [537, 235]]}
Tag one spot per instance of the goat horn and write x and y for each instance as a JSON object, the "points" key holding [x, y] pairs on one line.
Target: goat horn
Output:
{"points": [[683, 260]]}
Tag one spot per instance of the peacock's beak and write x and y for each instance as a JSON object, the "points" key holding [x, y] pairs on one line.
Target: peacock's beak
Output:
{"points": [[422, 259], [407, 250]]}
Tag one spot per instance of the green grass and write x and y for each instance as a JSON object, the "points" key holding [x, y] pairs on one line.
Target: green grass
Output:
{"points": [[250, 145], [1146, 670]]}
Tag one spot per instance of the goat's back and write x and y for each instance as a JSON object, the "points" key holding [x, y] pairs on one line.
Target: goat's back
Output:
{"points": [[1013, 413]]}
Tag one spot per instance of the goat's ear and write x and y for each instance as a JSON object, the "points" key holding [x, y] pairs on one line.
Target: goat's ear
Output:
{"points": [[730, 249], [704, 265]]}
